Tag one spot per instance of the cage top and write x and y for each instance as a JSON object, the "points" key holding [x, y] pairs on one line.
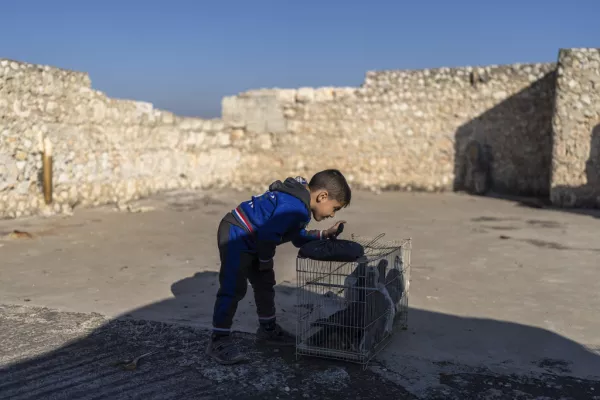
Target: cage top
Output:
{"points": [[376, 247]]}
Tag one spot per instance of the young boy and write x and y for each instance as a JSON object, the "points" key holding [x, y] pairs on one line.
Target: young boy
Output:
{"points": [[247, 238]]}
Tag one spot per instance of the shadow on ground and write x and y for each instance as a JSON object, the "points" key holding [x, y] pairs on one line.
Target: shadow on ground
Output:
{"points": [[54, 355]]}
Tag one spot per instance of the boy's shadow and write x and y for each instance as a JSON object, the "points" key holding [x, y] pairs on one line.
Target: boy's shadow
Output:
{"points": [[193, 301]]}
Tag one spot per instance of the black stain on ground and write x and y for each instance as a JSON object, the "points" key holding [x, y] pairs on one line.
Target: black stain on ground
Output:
{"points": [[502, 228], [544, 224], [195, 204], [491, 219], [549, 245]]}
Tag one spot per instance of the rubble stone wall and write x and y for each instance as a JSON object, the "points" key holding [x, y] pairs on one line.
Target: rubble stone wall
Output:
{"points": [[576, 123], [104, 150], [529, 129], [406, 129]]}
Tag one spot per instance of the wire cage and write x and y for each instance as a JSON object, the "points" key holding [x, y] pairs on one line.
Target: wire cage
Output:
{"points": [[349, 310]]}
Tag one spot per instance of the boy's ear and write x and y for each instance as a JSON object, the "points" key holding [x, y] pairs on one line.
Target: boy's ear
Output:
{"points": [[322, 196]]}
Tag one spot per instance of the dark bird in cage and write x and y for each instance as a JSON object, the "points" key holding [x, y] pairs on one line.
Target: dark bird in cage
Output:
{"points": [[341, 330], [395, 285], [363, 323]]}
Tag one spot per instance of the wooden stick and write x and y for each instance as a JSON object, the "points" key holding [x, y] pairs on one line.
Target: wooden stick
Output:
{"points": [[47, 169]]}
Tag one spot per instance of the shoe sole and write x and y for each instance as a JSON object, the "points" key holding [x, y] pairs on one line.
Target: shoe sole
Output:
{"points": [[224, 362], [274, 343]]}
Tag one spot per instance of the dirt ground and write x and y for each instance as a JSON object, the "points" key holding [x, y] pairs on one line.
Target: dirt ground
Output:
{"points": [[504, 303]]}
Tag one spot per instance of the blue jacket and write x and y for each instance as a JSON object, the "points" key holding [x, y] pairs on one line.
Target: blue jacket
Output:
{"points": [[277, 216]]}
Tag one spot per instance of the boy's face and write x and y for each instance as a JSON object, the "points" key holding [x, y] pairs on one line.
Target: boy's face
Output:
{"points": [[322, 206]]}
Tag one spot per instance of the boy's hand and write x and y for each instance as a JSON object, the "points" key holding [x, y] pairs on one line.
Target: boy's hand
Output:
{"points": [[333, 230]]}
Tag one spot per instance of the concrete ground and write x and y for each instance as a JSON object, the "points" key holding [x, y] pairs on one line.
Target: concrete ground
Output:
{"points": [[504, 304]]}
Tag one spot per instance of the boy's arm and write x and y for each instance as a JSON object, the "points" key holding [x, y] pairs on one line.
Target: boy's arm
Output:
{"points": [[270, 234], [305, 236]]}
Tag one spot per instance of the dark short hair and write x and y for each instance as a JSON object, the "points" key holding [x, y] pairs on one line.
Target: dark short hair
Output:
{"points": [[334, 183]]}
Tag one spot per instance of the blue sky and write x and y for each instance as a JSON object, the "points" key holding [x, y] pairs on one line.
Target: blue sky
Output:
{"points": [[184, 55]]}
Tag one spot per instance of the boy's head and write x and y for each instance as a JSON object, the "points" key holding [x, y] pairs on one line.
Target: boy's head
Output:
{"points": [[329, 192]]}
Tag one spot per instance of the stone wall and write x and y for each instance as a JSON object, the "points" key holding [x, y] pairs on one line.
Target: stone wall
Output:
{"points": [[105, 150], [576, 152], [406, 129], [521, 129]]}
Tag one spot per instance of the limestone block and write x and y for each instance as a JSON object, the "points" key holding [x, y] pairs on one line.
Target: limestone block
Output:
{"points": [[305, 94], [323, 94], [223, 139], [264, 142], [237, 134], [286, 96]]}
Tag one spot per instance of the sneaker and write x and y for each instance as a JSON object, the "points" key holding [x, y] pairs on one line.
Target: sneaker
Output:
{"points": [[276, 336], [224, 350]]}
